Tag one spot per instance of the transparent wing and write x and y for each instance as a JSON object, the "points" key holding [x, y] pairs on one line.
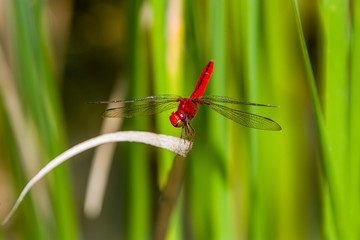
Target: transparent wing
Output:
{"points": [[246, 119], [221, 99], [145, 109], [155, 98]]}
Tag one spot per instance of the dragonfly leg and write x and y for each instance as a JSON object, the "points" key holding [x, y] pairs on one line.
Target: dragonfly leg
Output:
{"points": [[188, 133], [191, 130], [183, 132]]}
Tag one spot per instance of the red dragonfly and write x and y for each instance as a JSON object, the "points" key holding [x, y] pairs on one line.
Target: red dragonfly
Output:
{"points": [[187, 108]]}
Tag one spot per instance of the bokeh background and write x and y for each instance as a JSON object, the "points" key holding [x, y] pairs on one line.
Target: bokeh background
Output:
{"points": [[239, 183]]}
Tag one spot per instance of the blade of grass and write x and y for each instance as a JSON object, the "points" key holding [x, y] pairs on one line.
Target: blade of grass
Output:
{"points": [[238, 171], [36, 81], [219, 196], [196, 179], [330, 178], [336, 56], [175, 78], [138, 212], [287, 160], [164, 80], [354, 126], [160, 82], [33, 225], [20, 149], [251, 16]]}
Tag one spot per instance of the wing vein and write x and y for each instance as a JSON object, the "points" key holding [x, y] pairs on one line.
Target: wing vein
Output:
{"points": [[222, 99], [246, 119], [146, 109]]}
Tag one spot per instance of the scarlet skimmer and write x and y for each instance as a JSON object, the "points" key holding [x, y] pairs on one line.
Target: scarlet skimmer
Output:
{"points": [[187, 108]]}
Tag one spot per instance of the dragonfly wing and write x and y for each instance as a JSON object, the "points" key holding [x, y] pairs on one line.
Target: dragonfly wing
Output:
{"points": [[246, 119], [221, 99], [148, 108], [155, 98]]}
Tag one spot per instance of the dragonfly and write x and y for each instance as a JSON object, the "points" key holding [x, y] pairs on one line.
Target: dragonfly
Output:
{"points": [[188, 107]]}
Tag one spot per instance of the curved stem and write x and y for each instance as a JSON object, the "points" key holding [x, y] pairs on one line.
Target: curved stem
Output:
{"points": [[177, 145]]}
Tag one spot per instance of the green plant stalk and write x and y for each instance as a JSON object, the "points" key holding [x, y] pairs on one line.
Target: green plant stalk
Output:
{"points": [[139, 191], [174, 64], [138, 213], [336, 58], [285, 156], [336, 73], [217, 128], [159, 76], [161, 82], [354, 127], [251, 88], [139, 196], [194, 32], [37, 85], [34, 226], [192, 64], [194, 179], [238, 171], [330, 179], [158, 46]]}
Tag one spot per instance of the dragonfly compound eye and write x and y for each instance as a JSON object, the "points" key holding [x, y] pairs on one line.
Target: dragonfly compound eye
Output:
{"points": [[175, 120]]}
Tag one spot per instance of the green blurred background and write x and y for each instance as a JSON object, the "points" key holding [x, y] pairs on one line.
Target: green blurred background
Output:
{"points": [[300, 183]]}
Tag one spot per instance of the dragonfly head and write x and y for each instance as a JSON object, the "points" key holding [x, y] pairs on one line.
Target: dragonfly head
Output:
{"points": [[176, 119]]}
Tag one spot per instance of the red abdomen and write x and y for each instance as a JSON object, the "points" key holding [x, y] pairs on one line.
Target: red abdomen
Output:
{"points": [[203, 80]]}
